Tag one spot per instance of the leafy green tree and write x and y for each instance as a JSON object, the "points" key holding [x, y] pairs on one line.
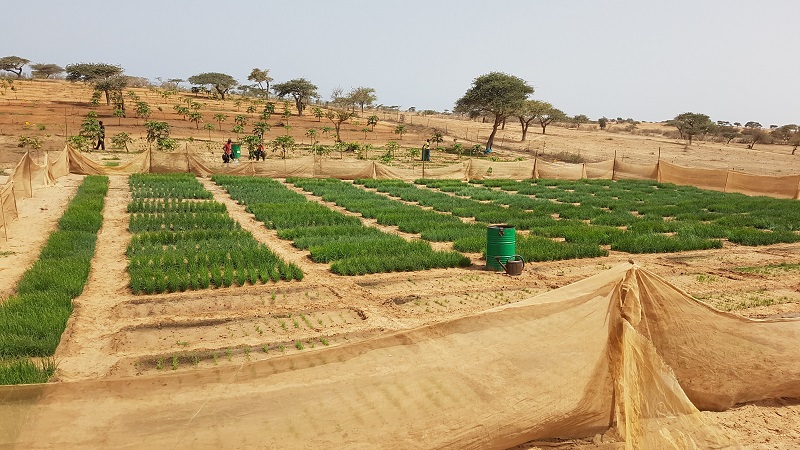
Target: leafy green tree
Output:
{"points": [[326, 130], [209, 127], [121, 140], [283, 143], [690, 124], [317, 111], [312, 133], [196, 117], [240, 119], [158, 133], [579, 119], [437, 138], [366, 130], [372, 121], [752, 125], [104, 77], [496, 94], [13, 64], [300, 89], [181, 110], [143, 110], [45, 70], [219, 117], [269, 110], [287, 113], [602, 122], [90, 128], [119, 114], [400, 130], [262, 79], [221, 82], [392, 147], [362, 96], [260, 128]]}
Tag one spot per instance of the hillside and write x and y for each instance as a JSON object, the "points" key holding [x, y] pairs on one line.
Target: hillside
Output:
{"points": [[51, 110]]}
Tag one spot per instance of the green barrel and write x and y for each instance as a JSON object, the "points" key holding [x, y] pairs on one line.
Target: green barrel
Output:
{"points": [[237, 151], [501, 240]]}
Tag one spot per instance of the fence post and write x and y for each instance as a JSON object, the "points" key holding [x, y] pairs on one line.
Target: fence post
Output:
{"points": [[3, 215], [614, 166]]}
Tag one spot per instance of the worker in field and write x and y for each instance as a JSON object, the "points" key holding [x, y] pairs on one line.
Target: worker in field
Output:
{"points": [[426, 150], [227, 149], [101, 138]]}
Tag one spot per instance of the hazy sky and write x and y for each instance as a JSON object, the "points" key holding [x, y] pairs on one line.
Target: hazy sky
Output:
{"points": [[734, 60]]}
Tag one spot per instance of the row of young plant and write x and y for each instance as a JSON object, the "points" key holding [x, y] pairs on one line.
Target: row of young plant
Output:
{"points": [[32, 321], [191, 244], [332, 237], [647, 207], [625, 229]]}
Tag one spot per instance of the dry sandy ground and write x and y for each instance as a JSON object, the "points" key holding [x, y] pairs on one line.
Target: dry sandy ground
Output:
{"points": [[115, 334]]}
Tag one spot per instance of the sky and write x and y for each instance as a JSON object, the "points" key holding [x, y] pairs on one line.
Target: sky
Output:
{"points": [[733, 60]]}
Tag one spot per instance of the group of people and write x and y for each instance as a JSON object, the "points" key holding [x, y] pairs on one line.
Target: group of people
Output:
{"points": [[228, 156]]}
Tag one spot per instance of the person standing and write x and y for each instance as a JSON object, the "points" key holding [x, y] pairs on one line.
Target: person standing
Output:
{"points": [[426, 150], [227, 149], [101, 138]]}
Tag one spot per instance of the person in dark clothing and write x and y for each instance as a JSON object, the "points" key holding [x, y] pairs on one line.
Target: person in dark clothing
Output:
{"points": [[101, 138]]}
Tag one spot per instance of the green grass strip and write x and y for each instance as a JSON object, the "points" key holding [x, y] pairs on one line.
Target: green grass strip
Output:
{"points": [[32, 321]]}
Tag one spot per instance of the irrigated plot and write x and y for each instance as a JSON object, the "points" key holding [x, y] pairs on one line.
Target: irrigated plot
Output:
{"points": [[183, 242]]}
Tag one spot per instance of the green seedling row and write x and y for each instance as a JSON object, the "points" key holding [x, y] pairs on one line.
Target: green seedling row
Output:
{"points": [[183, 245], [332, 237], [650, 217], [32, 321], [475, 239], [167, 186]]}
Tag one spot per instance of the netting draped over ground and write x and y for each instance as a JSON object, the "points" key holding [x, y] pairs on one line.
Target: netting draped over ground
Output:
{"points": [[623, 353], [28, 174]]}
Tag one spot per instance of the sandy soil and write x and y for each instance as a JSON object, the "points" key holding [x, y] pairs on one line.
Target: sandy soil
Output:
{"points": [[113, 333]]}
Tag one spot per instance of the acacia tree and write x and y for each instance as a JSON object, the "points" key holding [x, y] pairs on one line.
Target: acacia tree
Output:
{"points": [[580, 119], [526, 115], [13, 64], [45, 70], [104, 77], [546, 113], [362, 96], [261, 78], [690, 124], [496, 94], [221, 82], [300, 89], [338, 117]]}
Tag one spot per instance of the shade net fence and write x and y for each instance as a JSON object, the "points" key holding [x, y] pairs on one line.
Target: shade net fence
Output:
{"points": [[622, 354]]}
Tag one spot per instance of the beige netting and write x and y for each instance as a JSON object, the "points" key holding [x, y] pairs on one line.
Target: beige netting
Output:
{"points": [[780, 187], [28, 174], [600, 170], [80, 164], [630, 171], [712, 179], [518, 170], [559, 170], [8, 206], [623, 354]]}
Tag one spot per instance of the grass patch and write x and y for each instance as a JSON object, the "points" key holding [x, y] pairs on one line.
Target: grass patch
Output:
{"points": [[31, 322], [770, 269]]}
